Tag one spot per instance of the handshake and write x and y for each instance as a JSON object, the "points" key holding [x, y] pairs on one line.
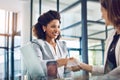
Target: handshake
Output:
{"points": [[73, 64]]}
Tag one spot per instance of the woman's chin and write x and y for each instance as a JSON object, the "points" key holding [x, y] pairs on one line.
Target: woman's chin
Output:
{"points": [[108, 24], [55, 37]]}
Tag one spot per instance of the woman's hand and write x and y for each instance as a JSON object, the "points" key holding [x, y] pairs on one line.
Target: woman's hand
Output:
{"points": [[73, 64], [62, 62], [65, 61], [74, 68]]}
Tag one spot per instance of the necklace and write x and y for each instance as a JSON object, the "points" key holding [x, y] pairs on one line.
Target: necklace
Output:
{"points": [[113, 47]]}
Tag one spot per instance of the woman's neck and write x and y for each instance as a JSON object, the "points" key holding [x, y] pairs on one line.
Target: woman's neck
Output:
{"points": [[51, 41]]}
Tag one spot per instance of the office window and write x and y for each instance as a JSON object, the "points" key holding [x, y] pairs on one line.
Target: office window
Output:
{"points": [[9, 44]]}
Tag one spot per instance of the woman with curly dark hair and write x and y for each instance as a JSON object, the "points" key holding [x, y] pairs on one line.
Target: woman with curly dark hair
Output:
{"points": [[47, 31]]}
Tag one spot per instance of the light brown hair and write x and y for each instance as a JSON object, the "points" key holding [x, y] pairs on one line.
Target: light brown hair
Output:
{"points": [[113, 9]]}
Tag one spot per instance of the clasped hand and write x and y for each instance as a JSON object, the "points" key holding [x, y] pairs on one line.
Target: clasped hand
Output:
{"points": [[70, 63], [73, 64]]}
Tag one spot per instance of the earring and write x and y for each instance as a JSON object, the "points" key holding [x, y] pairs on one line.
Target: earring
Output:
{"points": [[44, 30]]}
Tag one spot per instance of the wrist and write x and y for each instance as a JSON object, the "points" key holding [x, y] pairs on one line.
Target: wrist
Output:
{"points": [[86, 67], [90, 68], [75, 68], [62, 62]]}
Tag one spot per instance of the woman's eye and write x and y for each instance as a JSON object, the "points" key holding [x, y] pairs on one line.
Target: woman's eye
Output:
{"points": [[58, 26], [53, 26]]}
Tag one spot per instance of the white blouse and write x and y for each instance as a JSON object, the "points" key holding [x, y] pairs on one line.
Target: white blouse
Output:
{"points": [[57, 55]]}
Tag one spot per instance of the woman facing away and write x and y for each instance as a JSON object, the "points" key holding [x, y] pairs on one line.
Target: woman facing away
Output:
{"points": [[47, 31], [111, 14]]}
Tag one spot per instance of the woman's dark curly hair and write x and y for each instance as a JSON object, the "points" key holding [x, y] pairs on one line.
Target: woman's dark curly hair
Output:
{"points": [[43, 20]]}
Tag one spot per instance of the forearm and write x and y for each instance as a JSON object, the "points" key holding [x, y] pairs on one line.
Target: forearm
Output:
{"points": [[62, 62], [86, 67], [82, 66], [115, 71]]}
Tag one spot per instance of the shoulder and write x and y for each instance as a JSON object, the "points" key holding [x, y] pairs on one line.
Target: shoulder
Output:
{"points": [[110, 36], [112, 33], [61, 42], [38, 41]]}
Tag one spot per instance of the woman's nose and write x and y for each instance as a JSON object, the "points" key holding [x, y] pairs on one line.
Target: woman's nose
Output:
{"points": [[57, 29]]}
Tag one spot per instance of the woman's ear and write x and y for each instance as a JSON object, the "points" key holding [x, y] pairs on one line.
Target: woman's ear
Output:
{"points": [[44, 28]]}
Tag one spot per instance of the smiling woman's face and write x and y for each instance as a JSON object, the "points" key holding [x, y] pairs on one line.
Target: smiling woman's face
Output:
{"points": [[52, 29]]}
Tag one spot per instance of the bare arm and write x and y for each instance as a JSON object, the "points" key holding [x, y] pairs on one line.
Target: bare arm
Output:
{"points": [[62, 62], [82, 66], [86, 67]]}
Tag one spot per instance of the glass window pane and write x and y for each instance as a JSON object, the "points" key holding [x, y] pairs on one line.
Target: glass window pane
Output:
{"points": [[2, 67], [2, 41], [2, 21], [35, 11], [48, 5], [95, 58], [93, 10], [17, 63], [75, 54]]}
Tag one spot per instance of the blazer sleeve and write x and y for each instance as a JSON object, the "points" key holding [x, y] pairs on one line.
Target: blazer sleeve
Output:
{"points": [[37, 49], [115, 72], [98, 70], [32, 66], [112, 75]]}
